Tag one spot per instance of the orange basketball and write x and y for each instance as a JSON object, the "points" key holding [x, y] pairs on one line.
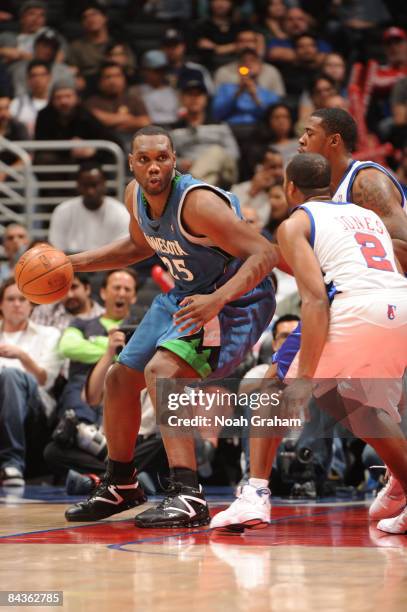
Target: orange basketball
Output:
{"points": [[43, 274]]}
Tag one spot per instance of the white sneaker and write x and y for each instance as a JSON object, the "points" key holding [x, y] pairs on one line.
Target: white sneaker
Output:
{"points": [[251, 509], [389, 502], [397, 524], [11, 476]]}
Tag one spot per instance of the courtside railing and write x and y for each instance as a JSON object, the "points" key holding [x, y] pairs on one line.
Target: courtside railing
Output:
{"points": [[29, 192]]}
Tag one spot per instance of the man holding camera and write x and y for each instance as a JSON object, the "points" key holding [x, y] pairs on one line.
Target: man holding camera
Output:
{"points": [[84, 342], [244, 102]]}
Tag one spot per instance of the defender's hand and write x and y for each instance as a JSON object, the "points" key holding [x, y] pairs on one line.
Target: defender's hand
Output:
{"points": [[196, 310], [295, 399]]}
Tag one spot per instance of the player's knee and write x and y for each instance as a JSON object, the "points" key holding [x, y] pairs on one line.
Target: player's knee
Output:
{"points": [[119, 377], [112, 376], [152, 371]]}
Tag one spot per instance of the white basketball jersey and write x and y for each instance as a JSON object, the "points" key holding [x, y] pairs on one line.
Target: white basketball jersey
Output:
{"points": [[344, 190], [353, 247]]}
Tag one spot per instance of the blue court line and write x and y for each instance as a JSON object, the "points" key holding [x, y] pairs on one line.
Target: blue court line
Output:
{"points": [[155, 538], [24, 533], [283, 519]]}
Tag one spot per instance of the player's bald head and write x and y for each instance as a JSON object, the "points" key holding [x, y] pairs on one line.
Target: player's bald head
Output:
{"points": [[310, 173], [153, 130]]}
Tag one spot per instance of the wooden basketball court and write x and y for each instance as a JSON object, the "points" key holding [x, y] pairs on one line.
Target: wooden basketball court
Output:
{"points": [[314, 556]]}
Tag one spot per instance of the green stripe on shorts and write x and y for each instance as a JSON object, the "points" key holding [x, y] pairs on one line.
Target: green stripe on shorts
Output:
{"points": [[189, 351]]}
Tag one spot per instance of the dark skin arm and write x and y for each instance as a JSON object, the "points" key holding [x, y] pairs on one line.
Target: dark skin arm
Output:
{"points": [[120, 253], [374, 190], [206, 214], [293, 238]]}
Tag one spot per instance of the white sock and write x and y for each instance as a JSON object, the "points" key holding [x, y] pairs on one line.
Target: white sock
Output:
{"points": [[259, 483]]}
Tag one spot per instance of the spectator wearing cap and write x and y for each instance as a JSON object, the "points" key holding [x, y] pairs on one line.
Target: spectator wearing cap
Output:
{"points": [[395, 46], [160, 99], [26, 107], [180, 69], [65, 118], [268, 78], [47, 48], [116, 106], [205, 149], [19, 45], [88, 51]]}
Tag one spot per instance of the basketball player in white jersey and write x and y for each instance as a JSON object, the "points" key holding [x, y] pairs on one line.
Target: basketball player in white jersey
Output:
{"points": [[347, 249], [332, 132]]}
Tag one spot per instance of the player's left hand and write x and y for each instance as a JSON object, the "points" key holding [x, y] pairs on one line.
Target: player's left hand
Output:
{"points": [[196, 310], [295, 399]]}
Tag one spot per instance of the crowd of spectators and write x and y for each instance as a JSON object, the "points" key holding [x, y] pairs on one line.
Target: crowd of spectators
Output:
{"points": [[249, 71], [234, 82]]}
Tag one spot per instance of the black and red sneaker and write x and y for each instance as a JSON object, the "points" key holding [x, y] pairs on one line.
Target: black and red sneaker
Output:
{"points": [[107, 499], [182, 507]]}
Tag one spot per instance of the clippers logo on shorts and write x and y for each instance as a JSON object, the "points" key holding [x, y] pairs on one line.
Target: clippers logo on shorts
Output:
{"points": [[391, 311]]}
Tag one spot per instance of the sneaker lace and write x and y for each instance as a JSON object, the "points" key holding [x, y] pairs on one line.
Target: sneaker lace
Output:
{"points": [[173, 489], [101, 488], [262, 492]]}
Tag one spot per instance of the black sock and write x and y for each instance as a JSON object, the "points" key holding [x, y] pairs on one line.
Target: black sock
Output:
{"points": [[187, 477], [121, 471]]}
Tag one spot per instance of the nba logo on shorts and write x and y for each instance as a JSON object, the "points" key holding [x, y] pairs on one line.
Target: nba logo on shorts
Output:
{"points": [[391, 311]]}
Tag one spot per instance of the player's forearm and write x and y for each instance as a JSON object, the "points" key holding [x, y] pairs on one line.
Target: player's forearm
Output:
{"points": [[118, 254], [315, 322], [251, 273]]}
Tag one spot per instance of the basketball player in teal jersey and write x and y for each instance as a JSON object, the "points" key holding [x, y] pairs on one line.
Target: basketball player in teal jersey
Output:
{"points": [[221, 303]]}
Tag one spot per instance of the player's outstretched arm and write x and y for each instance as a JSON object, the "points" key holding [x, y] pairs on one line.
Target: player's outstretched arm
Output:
{"points": [[374, 190], [117, 254], [293, 238], [206, 214]]}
